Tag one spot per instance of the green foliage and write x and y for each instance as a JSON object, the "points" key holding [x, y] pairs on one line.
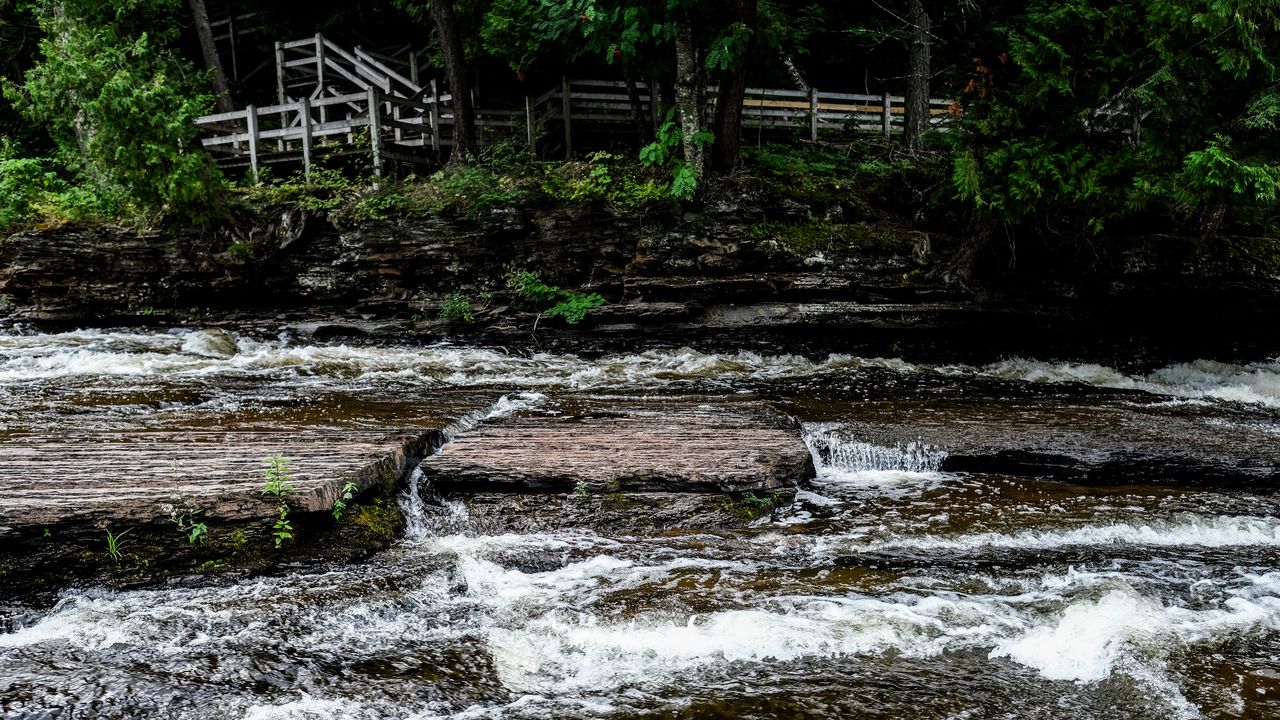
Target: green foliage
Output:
{"points": [[120, 106], [283, 528], [182, 514], [279, 484], [604, 176], [574, 306], [456, 308], [533, 293], [529, 290], [663, 152], [278, 477], [340, 505], [1097, 111], [115, 545]]}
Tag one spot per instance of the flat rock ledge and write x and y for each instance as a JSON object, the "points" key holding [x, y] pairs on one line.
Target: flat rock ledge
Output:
{"points": [[65, 492], [618, 468]]}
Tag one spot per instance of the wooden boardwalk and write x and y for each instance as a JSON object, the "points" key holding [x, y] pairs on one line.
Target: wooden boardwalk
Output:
{"points": [[354, 101]]}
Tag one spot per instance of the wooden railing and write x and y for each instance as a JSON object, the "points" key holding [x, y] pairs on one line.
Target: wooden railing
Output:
{"points": [[349, 95]]}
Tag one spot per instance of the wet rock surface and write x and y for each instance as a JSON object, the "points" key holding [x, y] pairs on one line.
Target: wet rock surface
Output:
{"points": [[733, 276], [1117, 438], [625, 466]]}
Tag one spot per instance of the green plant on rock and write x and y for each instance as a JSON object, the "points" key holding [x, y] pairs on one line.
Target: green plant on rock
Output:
{"points": [[340, 505], [115, 545], [456, 308], [282, 529], [531, 292], [182, 514], [279, 484]]}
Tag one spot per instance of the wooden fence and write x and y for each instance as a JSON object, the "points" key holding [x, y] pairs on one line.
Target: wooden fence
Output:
{"points": [[353, 101]]}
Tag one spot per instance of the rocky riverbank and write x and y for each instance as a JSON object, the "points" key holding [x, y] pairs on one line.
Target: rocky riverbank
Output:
{"points": [[756, 272]]}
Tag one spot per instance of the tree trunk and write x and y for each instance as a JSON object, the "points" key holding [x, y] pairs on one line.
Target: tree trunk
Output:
{"points": [[918, 64], [455, 64], [733, 88], [221, 88], [690, 97]]}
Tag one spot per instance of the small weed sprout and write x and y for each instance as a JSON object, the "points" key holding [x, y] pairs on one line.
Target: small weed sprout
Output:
{"points": [[750, 499], [283, 529], [182, 514], [340, 505], [115, 544], [279, 483], [580, 490], [196, 532]]}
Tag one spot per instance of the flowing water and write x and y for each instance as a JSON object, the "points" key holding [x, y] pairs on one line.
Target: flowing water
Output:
{"points": [[892, 589]]}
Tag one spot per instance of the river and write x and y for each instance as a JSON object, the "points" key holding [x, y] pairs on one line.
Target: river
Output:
{"points": [[896, 587]]}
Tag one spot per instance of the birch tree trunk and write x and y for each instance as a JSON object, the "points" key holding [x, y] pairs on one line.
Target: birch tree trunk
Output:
{"points": [[690, 96]]}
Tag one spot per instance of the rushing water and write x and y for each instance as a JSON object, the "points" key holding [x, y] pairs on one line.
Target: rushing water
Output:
{"points": [[892, 589]]}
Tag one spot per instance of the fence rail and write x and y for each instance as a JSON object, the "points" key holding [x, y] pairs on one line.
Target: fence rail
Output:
{"points": [[358, 101]]}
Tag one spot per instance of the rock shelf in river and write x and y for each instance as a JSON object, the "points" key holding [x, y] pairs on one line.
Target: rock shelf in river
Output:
{"points": [[645, 465], [103, 477]]}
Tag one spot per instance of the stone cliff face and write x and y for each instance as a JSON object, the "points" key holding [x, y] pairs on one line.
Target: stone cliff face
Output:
{"points": [[731, 274]]}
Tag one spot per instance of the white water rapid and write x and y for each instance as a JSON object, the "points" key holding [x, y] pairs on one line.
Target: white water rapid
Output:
{"points": [[891, 589]]}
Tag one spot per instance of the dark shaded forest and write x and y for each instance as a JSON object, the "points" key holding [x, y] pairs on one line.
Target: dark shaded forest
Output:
{"points": [[1071, 120]]}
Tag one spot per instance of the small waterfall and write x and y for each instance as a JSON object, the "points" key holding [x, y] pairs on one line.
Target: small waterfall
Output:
{"points": [[506, 405], [834, 451], [411, 506]]}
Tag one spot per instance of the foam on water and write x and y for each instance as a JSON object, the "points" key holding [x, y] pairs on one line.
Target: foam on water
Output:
{"points": [[1183, 530], [1257, 383]]}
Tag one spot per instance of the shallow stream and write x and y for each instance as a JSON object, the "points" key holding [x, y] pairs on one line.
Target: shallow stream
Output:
{"points": [[892, 589]]}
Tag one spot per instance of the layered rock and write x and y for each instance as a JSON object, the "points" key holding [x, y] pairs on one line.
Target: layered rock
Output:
{"points": [[625, 466]]}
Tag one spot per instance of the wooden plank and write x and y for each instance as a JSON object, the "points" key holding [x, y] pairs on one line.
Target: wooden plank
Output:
{"points": [[304, 112], [528, 122], [886, 114], [253, 141], [388, 71], [813, 114], [375, 133]]}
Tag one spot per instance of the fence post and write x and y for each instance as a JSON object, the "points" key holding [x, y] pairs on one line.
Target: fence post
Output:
{"points": [[886, 116], [655, 104], [284, 115], [566, 109], [413, 67], [528, 120], [251, 115], [434, 117], [375, 131], [304, 112], [813, 114]]}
